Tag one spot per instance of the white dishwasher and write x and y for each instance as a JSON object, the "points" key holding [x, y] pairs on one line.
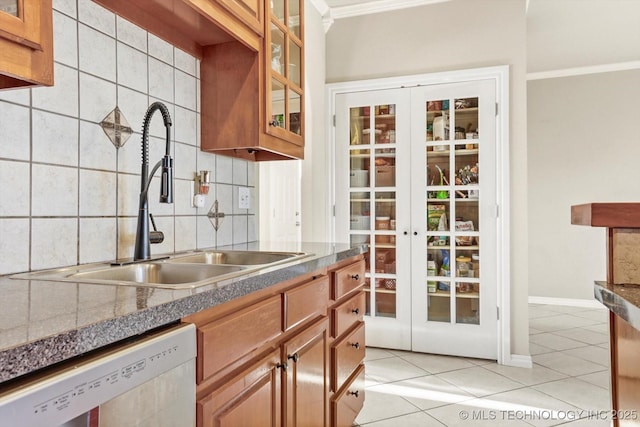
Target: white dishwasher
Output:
{"points": [[146, 382]]}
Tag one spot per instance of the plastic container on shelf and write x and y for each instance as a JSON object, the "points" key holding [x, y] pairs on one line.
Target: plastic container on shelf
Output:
{"points": [[360, 222], [382, 223], [359, 178]]}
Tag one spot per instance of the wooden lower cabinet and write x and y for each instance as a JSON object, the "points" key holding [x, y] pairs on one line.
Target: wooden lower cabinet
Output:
{"points": [[250, 398], [270, 359], [305, 392]]}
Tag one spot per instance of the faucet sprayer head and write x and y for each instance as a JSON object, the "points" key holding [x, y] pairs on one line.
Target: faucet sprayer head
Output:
{"points": [[166, 180]]}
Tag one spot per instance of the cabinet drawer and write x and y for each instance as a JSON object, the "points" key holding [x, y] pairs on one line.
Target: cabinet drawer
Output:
{"points": [[306, 302], [346, 355], [346, 404], [346, 314], [347, 279], [226, 340]]}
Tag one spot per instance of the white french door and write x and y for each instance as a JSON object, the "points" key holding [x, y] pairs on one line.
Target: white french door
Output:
{"points": [[416, 180], [454, 217]]}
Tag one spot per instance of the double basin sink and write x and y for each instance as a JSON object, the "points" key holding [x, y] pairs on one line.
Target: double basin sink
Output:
{"points": [[177, 272]]}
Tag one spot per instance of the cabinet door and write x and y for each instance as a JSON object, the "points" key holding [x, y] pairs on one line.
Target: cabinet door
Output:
{"points": [[26, 43], [251, 398], [373, 157], [306, 389], [454, 256], [251, 12], [284, 68]]}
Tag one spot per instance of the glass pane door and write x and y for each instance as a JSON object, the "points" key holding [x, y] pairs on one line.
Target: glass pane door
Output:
{"points": [[9, 6], [373, 212], [452, 300]]}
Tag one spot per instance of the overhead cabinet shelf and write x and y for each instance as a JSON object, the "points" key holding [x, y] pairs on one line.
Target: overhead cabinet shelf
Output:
{"points": [[248, 109]]}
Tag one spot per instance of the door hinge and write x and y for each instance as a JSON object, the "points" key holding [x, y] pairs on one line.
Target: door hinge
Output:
{"points": [[498, 312], [334, 210], [497, 211], [497, 109], [334, 120]]}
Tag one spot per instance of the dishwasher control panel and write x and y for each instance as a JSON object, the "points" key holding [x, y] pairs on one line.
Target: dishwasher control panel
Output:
{"points": [[63, 394]]}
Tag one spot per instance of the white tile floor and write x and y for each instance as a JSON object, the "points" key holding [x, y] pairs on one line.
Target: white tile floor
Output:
{"points": [[568, 384]]}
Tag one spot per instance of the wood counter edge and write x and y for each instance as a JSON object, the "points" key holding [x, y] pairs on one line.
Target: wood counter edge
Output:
{"points": [[612, 215]]}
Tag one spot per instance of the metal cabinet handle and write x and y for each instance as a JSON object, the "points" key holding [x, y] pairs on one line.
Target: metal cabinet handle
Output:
{"points": [[282, 366], [295, 357], [356, 345], [355, 276], [415, 233], [405, 233], [354, 393], [356, 311], [273, 123]]}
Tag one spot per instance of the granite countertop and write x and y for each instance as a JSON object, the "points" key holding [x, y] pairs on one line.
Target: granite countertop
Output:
{"points": [[45, 322], [623, 300]]}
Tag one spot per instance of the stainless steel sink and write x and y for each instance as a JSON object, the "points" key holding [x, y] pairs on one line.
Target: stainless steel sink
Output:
{"points": [[177, 272], [157, 273], [238, 257]]}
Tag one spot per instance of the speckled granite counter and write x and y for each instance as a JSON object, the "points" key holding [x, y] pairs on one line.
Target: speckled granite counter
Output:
{"points": [[623, 300], [45, 322]]}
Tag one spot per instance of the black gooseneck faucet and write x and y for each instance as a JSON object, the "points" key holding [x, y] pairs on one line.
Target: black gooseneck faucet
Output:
{"points": [[143, 235]]}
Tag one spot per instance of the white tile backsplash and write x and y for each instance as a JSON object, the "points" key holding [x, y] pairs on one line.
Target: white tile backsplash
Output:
{"points": [[97, 17], [14, 138], [161, 80], [185, 62], [160, 49], [131, 34], [61, 98], [55, 139], [54, 242], [14, 245], [185, 87], [98, 239], [97, 98], [97, 193], [184, 161], [132, 68], [97, 53], [184, 126], [54, 191], [65, 39], [96, 150], [68, 7], [14, 191], [67, 195]]}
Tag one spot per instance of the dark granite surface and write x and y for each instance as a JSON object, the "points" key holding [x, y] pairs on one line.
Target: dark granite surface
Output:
{"points": [[44, 322], [623, 300]]}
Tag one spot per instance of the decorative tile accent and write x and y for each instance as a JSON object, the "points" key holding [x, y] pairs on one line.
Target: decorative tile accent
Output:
{"points": [[215, 216], [117, 128]]}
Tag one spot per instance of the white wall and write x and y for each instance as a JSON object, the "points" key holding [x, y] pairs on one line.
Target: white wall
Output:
{"points": [[315, 175], [584, 146], [449, 36]]}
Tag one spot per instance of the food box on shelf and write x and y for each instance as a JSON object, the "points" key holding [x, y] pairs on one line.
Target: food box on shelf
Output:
{"points": [[385, 176]]}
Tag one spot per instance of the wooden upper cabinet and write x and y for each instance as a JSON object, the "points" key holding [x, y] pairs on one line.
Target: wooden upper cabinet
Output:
{"points": [[250, 12], [26, 43], [253, 102]]}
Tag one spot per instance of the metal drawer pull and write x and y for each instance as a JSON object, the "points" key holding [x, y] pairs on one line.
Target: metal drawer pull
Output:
{"points": [[282, 365], [355, 277], [295, 357], [356, 311], [354, 393], [356, 345]]}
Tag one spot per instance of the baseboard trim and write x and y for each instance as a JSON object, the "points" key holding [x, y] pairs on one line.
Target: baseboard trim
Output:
{"points": [[519, 361], [572, 302]]}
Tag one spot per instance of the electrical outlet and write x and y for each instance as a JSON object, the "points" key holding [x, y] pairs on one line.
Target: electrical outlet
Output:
{"points": [[244, 201]]}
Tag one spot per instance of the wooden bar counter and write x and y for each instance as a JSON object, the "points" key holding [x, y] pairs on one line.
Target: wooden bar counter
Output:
{"points": [[621, 295]]}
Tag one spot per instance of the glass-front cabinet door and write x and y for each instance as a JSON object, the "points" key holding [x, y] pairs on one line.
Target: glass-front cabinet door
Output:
{"points": [[453, 192], [284, 65], [375, 146], [416, 183]]}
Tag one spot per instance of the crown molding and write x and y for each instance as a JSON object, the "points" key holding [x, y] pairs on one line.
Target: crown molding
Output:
{"points": [[321, 6], [377, 7], [579, 71]]}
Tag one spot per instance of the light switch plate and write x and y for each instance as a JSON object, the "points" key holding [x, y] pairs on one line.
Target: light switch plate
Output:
{"points": [[243, 198]]}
